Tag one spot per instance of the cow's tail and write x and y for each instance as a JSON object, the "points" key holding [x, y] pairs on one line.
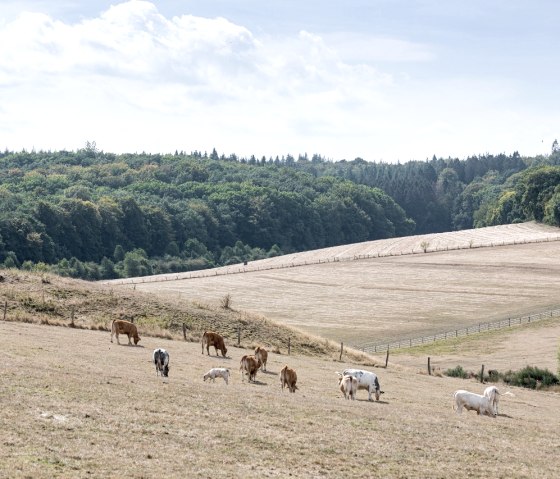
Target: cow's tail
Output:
{"points": [[203, 341]]}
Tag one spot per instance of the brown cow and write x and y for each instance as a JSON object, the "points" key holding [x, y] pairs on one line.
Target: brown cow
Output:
{"points": [[210, 338], [119, 326], [262, 355], [288, 377], [249, 365]]}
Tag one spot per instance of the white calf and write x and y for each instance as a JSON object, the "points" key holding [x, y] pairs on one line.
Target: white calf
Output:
{"points": [[473, 402], [492, 393], [217, 373]]}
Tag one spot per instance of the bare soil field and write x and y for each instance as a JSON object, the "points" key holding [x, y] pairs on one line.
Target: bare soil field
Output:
{"points": [[390, 289], [74, 405]]}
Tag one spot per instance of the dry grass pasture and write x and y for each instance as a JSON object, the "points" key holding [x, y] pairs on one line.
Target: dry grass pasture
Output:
{"points": [[387, 290], [74, 405]]}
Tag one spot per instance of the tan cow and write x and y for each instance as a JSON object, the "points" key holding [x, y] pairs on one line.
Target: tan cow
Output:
{"points": [[348, 386], [249, 365], [119, 326], [210, 338], [262, 355], [288, 377]]}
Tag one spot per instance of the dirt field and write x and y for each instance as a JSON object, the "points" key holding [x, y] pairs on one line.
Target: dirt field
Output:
{"points": [[74, 405], [385, 298]]}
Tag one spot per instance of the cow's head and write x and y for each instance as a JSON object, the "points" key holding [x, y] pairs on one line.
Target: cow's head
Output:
{"points": [[224, 351], [136, 340], [165, 371]]}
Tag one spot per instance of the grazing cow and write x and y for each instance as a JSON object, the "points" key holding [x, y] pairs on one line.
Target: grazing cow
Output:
{"points": [[217, 373], [366, 380], [210, 338], [262, 355], [119, 326], [288, 377], [249, 365], [348, 386], [473, 402], [492, 393], [161, 361]]}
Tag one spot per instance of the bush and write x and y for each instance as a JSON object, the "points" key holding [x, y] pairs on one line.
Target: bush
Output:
{"points": [[531, 377], [457, 372]]}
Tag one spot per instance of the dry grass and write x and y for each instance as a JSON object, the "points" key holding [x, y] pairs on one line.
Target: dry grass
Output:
{"points": [[74, 405], [392, 297]]}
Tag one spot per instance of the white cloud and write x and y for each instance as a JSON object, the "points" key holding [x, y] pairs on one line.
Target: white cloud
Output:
{"points": [[133, 79]]}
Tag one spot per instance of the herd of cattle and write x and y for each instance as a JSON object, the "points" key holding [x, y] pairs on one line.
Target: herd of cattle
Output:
{"points": [[349, 381]]}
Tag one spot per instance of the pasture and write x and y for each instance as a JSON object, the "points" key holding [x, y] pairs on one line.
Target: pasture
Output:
{"points": [[379, 291], [74, 405]]}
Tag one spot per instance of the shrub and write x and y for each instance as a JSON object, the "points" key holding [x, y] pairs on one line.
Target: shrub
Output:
{"points": [[531, 377], [457, 372]]}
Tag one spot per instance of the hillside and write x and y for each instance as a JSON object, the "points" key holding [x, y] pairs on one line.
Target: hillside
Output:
{"points": [[75, 405], [388, 289]]}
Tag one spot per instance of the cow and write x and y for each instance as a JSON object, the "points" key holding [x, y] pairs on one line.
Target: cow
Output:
{"points": [[473, 402], [288, 377], [161, 361], [348, 386], [249, 365], [119, 326], [492, 393], [217, 373], [262, 355], [210, 338], [366, 380]]}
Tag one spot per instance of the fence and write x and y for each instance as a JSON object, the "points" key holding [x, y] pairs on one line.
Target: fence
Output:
{"points": [[478, 328]]}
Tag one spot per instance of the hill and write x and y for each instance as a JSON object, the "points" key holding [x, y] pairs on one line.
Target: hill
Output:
{"points": [[75, 405], [388, 289]]}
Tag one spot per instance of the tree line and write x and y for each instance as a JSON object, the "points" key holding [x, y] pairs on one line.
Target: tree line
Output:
{"points": [[96, 215]]}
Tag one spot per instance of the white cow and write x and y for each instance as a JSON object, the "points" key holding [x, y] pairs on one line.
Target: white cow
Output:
{"points": [[492, 393], [217, 373], [473, 402], [348, 386], [366, 380]]}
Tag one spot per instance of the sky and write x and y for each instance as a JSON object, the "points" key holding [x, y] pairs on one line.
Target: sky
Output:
{"points": [[382, 80]]}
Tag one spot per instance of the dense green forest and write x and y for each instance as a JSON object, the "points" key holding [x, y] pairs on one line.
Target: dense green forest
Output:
{"points": [[97, 215]]}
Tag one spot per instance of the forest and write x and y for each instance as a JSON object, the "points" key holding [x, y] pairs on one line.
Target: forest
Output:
{"points": [[95, 215]]}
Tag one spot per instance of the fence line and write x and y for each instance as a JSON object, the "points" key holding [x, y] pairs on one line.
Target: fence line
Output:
{"points": [[371, 347], [242, 268]]}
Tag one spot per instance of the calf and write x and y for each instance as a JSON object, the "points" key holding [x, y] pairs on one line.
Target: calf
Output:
{"points": [[348, 386], [262, 355], [288, 377], [366, 380], [119, 326], [492, 393], [217, 373], [473, 402], [209, 338], [161, 361], [249, 365]]}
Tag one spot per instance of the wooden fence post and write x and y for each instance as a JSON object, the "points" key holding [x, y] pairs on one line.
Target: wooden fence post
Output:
{"points": [[238, 335], [289, 345], [185, 331], [72, 317], [482, 374], [387, 358], [5, 309], [429, 367], [341, 349]]}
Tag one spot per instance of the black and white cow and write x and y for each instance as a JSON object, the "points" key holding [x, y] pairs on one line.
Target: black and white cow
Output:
{"points": [[161, 361]]}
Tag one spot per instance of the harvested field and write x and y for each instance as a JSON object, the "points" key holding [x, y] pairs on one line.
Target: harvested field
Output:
{"points": [[74, 405], [379, 291]]}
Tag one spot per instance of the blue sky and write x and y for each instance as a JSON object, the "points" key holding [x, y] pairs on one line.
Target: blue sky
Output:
{"points": [[383, 80]]}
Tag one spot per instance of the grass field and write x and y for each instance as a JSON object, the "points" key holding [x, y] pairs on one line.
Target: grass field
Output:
{"points": [[74, 405], [392, 297]]}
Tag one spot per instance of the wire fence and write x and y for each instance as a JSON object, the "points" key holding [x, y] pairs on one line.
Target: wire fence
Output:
{"points": [[371, 347]]}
